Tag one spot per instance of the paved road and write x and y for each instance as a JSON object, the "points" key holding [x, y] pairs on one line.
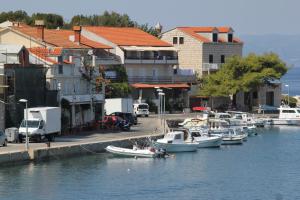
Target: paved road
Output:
{"points": [[146, 126]]}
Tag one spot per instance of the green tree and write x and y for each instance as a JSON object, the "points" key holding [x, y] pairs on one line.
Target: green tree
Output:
{"points": [[117, 90], [106, 19], [52, 21], [19, 16], [243, 74]]}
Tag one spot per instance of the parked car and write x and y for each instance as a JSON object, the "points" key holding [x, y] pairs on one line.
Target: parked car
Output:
{"points": [[140, 109], [115, 122], [132, 119], [3, 140]]}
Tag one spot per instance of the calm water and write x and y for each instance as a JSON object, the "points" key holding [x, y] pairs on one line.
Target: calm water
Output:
{"points": [[292, 78], [265, 167]]}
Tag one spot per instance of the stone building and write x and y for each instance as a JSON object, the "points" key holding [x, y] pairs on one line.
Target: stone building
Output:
{"points": [[203, 49]]}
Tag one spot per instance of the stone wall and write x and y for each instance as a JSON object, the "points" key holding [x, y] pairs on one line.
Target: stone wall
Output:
{"points": [[189, 53]]}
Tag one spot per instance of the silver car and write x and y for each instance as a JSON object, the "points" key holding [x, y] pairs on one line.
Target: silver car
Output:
{"points": [[3, 140]]}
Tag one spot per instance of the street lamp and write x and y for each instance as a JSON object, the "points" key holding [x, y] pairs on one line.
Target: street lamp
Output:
{"points": [[163, 107], [159, 99], [26, 120], [288, 93]]}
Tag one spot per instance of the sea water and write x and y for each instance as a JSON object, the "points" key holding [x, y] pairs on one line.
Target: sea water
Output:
{"points": [[291, 78], [264, 167]]}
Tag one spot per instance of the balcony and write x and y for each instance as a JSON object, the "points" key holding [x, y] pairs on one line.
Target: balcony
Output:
{"points": [[162, 79], [210, 66], [107, 60], [151, 60]]}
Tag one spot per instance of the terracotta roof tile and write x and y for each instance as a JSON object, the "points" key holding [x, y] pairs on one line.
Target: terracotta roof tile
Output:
{"points": [[61, 38], [46, 54], [42, 53], [125, 36], [194, 32]]}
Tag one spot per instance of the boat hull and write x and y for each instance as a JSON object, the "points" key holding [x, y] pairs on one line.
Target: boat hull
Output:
{"points": [[131, 152], [171, 147], [232, 140], [290, 122], [208, 142]]}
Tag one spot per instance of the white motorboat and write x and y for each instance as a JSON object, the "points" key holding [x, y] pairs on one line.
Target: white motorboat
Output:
{"points": [[190, 122], [287, 116], [233, 137], [135, 152], [176, 141], [204, 139], [239, 118]]}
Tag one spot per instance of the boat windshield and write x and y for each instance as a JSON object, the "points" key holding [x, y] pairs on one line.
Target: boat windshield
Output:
{"points": [[30, 124]]}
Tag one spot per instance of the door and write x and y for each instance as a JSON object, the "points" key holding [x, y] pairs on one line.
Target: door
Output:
{"points": [[270, 98]]}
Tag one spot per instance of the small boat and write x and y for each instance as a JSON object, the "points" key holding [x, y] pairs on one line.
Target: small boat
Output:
{"points": [[251, 130], [227, 140], [135, 152], [176, 141], [287, 116], [205, 140], [234, 137]]}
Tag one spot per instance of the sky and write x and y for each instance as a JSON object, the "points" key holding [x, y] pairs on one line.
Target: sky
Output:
{"points": [[251, 17]]}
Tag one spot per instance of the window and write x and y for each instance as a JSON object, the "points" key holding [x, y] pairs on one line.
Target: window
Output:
{"points": [[60, 69], [222, 58], [181, 40], [211, 58], [60, 64], [215, 37], [177, 137], [175, 40], [230, 37]]}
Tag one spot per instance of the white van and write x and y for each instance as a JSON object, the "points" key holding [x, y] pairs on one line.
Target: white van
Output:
{"points": [[140, 109]]}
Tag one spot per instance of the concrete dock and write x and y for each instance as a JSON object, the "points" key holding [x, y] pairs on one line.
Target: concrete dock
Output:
{"points": [[80, 144]]}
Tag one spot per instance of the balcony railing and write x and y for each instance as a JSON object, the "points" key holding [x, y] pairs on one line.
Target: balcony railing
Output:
{"points": [[162, 79], [107, 60], [210, 66], [151, 60]]}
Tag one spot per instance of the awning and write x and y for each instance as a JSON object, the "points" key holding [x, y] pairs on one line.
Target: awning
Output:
{"points": [[173, 85], [199, 108], [141, 48]]}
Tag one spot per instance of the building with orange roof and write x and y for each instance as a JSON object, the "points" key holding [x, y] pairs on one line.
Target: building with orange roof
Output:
{"points": [[203, 49], [72, 62], [147, 59]]}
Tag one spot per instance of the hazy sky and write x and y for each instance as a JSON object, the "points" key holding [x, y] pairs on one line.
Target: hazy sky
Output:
{"points": [[245, 16]]}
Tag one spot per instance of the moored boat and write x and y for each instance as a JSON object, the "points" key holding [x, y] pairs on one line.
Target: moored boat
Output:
{"points": [[135, 152], [205, 140], [176, 141], [287, 116]]}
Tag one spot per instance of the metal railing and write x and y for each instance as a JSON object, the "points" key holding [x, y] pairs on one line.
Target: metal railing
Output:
{"points": [[162, 79], [210, 66]]}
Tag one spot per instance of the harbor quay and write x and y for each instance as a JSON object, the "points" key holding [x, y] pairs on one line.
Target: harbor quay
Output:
{"points": [[92, 142], [82, 143]]}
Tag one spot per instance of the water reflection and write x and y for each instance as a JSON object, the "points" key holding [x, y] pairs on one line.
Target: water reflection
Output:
{"points": [[265, 167]]}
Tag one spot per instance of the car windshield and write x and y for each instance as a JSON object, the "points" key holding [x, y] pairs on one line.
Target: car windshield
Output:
{"points": [[30, 124], [143, 106]]}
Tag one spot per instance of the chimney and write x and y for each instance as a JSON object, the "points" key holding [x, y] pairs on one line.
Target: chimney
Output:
{"points": [[40, 28], [77, 34]]}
